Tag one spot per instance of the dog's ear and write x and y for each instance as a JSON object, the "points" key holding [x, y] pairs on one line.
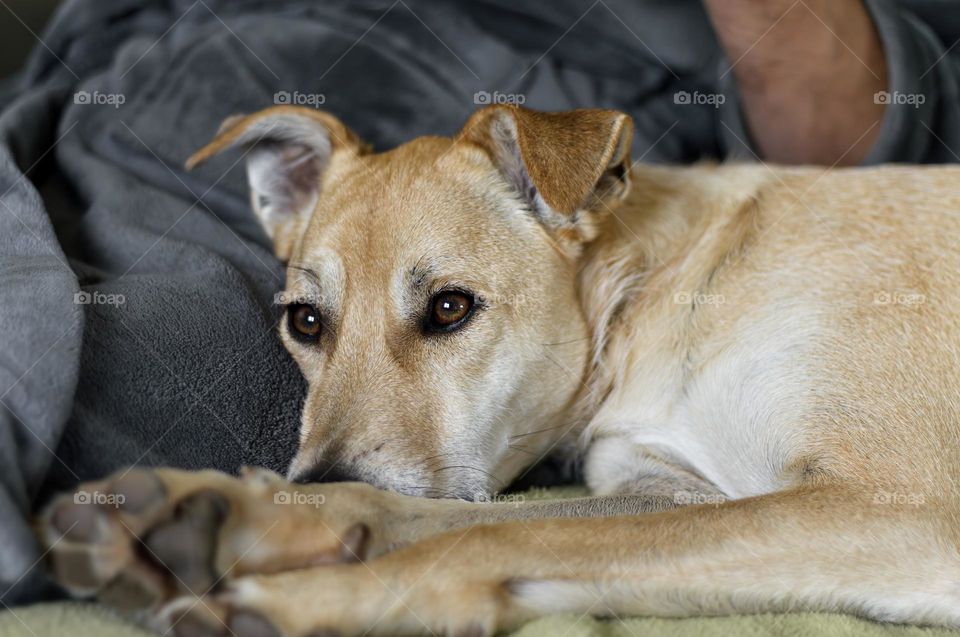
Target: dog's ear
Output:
{"points": [[569, 167], [287, 150]]}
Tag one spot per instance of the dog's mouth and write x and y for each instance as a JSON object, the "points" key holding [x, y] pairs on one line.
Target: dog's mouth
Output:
{"points": [[441, 492], [458, 479], [459, 482]]}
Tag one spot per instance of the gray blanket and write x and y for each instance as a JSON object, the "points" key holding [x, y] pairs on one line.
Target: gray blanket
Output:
{"points": [[136, 309]]}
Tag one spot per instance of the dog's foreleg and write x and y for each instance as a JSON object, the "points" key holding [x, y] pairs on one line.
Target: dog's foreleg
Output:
{"points": [[417, 518], [826, 550]]}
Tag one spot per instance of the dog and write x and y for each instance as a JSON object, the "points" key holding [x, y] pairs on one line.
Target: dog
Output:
{"points": [[757, 366]]}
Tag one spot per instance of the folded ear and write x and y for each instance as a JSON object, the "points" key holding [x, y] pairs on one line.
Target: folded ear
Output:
{"points": [[567, 166], [288, 149]]}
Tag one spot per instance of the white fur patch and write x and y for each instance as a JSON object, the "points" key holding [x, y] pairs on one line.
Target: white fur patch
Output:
{"points": [[734, 422]]}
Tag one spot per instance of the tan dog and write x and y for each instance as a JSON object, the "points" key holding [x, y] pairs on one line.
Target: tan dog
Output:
{"points": [[776, 347]]}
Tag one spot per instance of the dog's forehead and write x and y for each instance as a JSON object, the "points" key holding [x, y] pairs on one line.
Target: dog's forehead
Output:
{"points": [[371, 257], [430, 200]]}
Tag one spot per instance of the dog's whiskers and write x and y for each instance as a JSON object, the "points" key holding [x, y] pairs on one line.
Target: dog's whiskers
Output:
{"points": [[433, 457], [537, 431], [574, 340], [465, 466], [431, 492]]}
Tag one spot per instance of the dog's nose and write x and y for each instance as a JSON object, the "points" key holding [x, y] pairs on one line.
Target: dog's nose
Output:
{"points": [[325, 472]]}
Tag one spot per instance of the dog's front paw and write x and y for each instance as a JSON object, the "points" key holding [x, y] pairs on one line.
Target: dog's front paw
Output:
{"points": [[145, 537], [415, 594]]}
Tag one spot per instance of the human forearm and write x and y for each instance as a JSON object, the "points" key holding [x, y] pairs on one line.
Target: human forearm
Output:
{"points": [[807, 73]]}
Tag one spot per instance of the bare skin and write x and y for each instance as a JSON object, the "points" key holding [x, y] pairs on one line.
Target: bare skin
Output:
{"points": [[807, 73]]}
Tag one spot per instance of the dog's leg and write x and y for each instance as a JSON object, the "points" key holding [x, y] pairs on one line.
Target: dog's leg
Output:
{"points": [[826, 550], [143, 537], [93, 533], [206, 536], [261, 499], [632, 483]]}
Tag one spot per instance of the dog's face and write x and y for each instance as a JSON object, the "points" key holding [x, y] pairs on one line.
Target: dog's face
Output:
{"points": [[431, 298]]}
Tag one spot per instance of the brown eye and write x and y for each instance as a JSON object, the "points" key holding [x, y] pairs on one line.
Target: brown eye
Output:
{"points": [[304, 321], [449, 309]]}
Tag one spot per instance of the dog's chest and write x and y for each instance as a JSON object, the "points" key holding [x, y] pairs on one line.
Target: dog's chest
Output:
{"points": [[729, 412]]}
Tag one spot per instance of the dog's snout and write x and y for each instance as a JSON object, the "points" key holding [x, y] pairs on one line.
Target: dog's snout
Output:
{"points": [[325, 472]]}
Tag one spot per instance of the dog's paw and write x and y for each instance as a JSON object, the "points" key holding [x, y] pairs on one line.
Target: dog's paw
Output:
{"points": [[203, 554], [342, 600], [145, 537]]}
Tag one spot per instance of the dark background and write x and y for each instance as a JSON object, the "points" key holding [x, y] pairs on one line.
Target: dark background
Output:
{"points": [[15, 35]]}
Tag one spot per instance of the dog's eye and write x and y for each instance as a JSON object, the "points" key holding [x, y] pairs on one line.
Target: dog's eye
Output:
{"points": [[304, 321], [449, 309]]}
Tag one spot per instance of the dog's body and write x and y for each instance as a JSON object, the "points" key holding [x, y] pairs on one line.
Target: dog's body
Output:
{"points": [[776, 347]]}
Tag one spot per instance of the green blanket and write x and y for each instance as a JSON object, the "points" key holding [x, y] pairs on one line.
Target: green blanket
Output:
{"points": [[73, 619]]}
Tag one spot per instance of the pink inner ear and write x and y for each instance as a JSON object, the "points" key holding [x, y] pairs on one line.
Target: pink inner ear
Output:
{"points": [[559, 163], [302, 167], [284, 177], [510, 163]]}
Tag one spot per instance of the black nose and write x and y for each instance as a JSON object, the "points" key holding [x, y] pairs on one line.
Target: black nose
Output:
{"points": [[326, 472]]}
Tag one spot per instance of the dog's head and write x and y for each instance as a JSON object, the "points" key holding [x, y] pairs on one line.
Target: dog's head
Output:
{"points": [[431, 292]]}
